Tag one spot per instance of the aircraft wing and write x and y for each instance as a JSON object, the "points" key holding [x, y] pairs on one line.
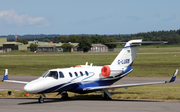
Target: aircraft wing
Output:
{"points": [[130, 85], [13, 81], [5, 79]]}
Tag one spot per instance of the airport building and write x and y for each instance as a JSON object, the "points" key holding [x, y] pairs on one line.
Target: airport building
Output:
{"points": [[42, 46], [99, 48], [10, 46], [45, 46], [52, 47], [2, 41]]}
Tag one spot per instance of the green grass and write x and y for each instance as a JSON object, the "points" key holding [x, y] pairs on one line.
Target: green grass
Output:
{"points": [[19, 52], [156, 64], [165, 92], [159, 92], [151, 62]]}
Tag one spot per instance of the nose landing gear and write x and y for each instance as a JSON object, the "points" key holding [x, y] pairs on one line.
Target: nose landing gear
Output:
{"points": [[41, 99]]}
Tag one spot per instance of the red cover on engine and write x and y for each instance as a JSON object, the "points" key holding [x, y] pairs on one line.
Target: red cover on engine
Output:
{"points": [[105, 71], [78, 66]]}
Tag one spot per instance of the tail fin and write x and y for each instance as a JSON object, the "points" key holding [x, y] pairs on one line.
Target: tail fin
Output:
{"points": [[5, 75], [127, 55]]}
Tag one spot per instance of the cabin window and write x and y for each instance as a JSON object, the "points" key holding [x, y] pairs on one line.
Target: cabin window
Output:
{"points": [[70, 74], [86, 73], [81, 73], [76, 74], [61, 75], [53, 74]]}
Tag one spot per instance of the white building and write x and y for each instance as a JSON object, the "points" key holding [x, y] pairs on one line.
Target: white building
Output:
{"points": [[99, 48]]}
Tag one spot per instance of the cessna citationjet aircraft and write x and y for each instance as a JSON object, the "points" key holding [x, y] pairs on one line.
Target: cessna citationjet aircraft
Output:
{"points": [[87, 78]]}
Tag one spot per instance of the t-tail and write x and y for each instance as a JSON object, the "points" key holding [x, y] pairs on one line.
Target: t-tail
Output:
{"points": [[127, 55], [124, 60]]}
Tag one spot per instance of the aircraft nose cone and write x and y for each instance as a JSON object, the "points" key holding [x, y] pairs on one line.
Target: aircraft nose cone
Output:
{"points": [[35, 86], [28, 89]]}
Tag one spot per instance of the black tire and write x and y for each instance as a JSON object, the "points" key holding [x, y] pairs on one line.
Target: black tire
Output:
{"points": [[64, 95], [41, 99]]}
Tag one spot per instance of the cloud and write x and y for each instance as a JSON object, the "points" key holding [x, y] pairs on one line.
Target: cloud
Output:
{"points": [[101, 18], [12, 17], [156, 15], [170, 18], [134, 18], [96, 19]]}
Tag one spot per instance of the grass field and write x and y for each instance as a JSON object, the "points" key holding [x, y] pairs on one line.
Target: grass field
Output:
{"points": [[149, 62]]}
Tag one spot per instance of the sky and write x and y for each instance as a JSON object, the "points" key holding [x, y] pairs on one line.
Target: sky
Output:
{"points": [[65, 17]]}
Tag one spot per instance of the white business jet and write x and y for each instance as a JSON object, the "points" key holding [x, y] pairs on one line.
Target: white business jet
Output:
{"points": [[87, 78]]}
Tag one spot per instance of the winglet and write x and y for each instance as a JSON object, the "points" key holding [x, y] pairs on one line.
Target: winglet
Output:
{"points": [[5, 75], [174, 76], [7, 80]]}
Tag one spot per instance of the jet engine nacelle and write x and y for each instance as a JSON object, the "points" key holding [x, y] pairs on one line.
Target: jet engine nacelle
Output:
{"points": [[78, 66], [108, 70]]}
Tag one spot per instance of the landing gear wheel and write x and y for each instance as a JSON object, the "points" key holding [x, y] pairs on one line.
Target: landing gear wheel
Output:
{"points": [[64, 95], [41, 99], [106, 97]]}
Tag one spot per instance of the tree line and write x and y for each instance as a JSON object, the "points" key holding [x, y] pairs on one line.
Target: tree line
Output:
{"points": [[172, 36], [85, 41]]}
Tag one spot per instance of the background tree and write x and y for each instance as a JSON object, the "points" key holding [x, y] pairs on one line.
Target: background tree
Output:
{"points": [[67, 47], [33, 47], [96, 39], [18, 40], [62, 39], [74, 38], [46, 39], [175, 39], [24, 41], [84, 44], [110, 39]]}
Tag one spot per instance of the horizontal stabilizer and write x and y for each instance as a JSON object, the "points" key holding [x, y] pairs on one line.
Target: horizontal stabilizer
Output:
{"points": [[144, 42]]}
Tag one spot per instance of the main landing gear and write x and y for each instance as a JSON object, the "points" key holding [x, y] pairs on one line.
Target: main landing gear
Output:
{"points": [[106, 95], [64, 95]]}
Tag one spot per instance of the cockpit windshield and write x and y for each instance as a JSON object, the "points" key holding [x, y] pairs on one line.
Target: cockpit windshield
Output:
{"points": [[44, 74], [53, 74]]}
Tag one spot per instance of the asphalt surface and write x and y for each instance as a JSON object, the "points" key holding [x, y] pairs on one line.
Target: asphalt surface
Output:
{"points": [[93, 105], [88, 105]]}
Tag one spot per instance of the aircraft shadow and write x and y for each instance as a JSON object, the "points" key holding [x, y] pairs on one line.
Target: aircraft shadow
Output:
{"points": [[54, 100]]}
